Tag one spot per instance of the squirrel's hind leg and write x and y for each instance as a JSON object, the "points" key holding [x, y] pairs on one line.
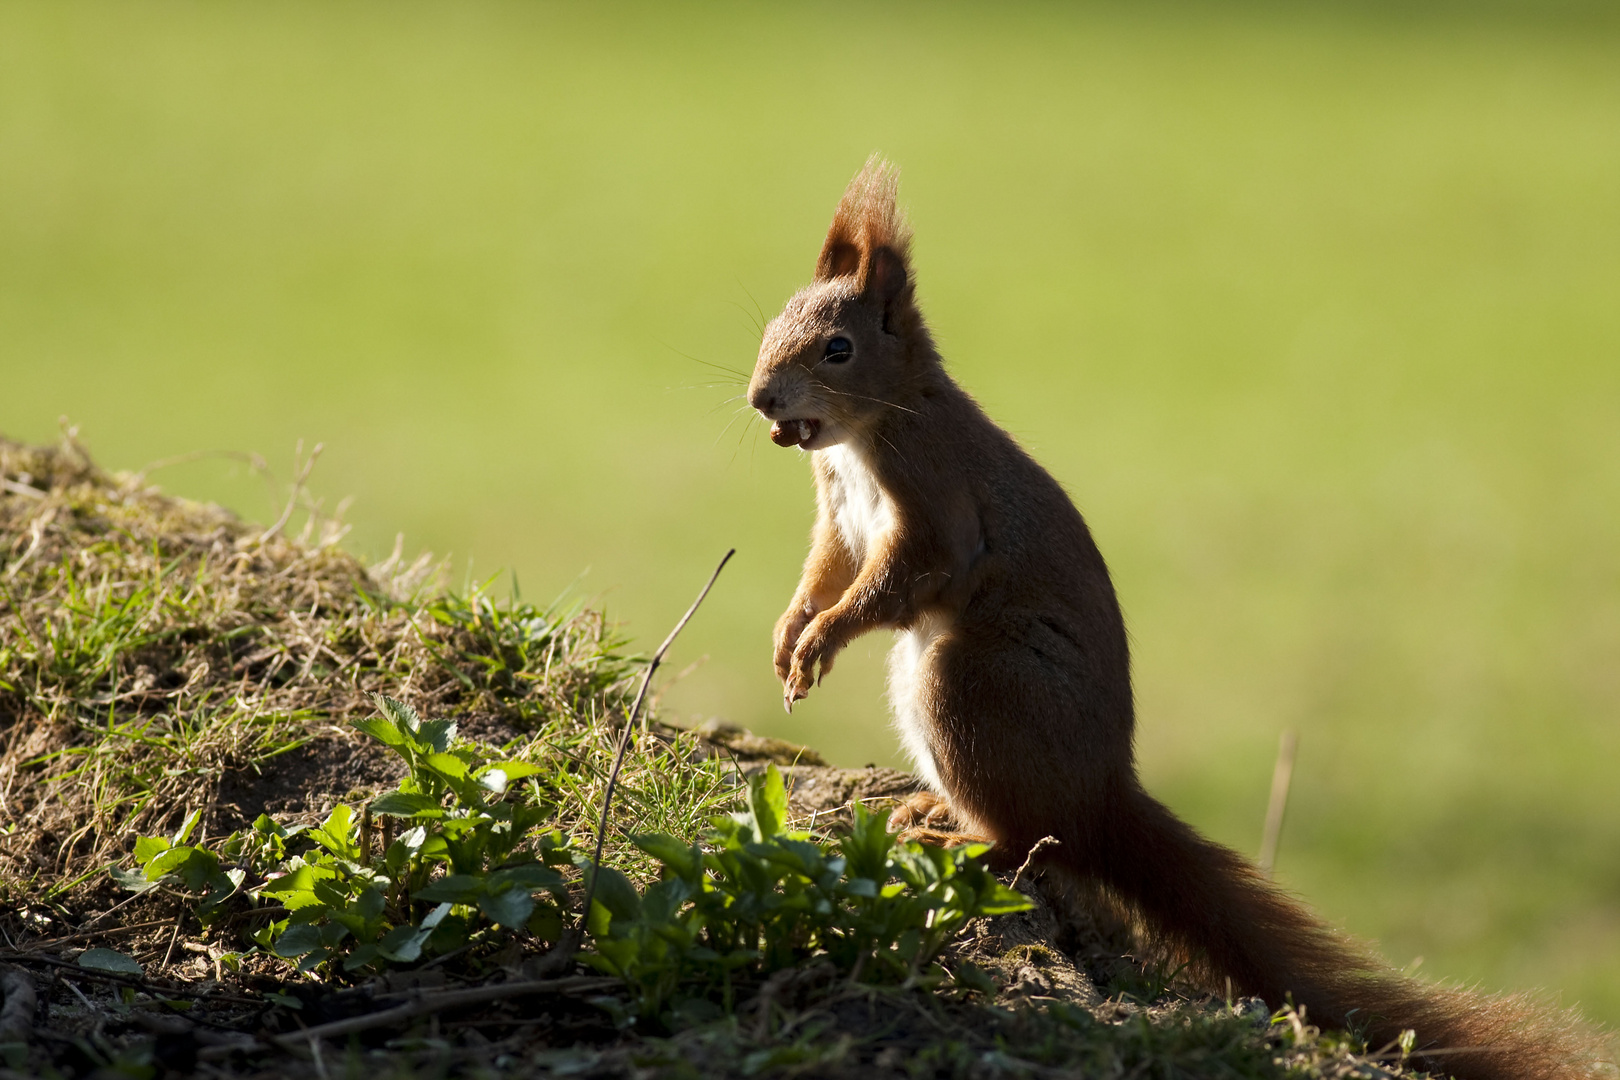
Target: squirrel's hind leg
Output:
{"points": [[1059, 721]]}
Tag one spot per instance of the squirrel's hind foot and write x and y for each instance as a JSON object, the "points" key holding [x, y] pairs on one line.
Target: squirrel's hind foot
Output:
{"points": [[927, 819]]}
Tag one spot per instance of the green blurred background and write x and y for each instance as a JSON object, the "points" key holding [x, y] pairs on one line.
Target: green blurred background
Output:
{"points": [[1315, 308]]}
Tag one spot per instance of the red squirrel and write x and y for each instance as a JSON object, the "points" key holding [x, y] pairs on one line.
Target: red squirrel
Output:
{"points": [[1010, 675]]}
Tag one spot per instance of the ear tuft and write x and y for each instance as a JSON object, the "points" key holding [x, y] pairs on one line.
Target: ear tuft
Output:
{"points": [[869, 221]]}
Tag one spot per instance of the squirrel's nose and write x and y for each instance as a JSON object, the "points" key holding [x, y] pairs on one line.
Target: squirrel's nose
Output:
{"points": [[764, 401]]}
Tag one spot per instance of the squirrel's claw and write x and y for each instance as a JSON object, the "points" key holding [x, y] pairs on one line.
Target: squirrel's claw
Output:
{"points": [[797, 687]]}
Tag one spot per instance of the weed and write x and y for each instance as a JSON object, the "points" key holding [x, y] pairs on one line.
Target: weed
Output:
{"points": [[467, 860], [758, 898]]}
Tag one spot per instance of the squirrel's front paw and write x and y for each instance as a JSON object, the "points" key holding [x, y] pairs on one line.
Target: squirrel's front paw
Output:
{"points": [[815, 650], [789, 629]]}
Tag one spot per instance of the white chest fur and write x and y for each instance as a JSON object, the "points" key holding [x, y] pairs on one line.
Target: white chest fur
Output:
{"points": [[860, 508], [863, 513]]}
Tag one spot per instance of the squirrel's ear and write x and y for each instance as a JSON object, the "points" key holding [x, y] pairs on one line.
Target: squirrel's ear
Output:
{"points": [[886, 275], [839, 257], [889, 281], [868, 221]]}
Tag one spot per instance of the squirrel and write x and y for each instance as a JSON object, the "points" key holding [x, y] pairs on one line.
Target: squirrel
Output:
{"points": [[1010, 675]]}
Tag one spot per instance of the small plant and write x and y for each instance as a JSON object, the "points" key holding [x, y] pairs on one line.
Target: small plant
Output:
{"points": [[175, 863], [760, 897], [750, 898], [463, 862], [341, 898]]}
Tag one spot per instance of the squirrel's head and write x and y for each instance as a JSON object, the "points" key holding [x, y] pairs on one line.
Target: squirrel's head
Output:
{"points": [[844, 348]]}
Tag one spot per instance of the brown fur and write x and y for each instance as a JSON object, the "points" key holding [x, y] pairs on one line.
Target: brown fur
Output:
{"points": [[1011, 676]]}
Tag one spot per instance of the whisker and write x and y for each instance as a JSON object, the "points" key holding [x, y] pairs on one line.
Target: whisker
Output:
{"points": [[702, 385], [733, 420], [743, 376], [757, 308], [759, 329], [727, 401], [742, 437], [863, 397]]}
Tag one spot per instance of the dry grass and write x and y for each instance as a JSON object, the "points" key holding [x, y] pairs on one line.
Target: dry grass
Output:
{"points": [[153, 650]]}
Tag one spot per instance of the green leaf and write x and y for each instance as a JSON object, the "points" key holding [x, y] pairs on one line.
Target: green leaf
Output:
{"points": [[339, 823], [1000, 900], [300, 880], [767, 799], [509, 908], [187, 825], [384, 731], [297, 941], [409, 843], [309, 962], [402, 715], [449, 935], [867, 845], [453, 889], [663, 899], [863, 887], [437, 734], [447, 764], [195, 867], [546, 923], [370, 903], [166, 863], [110, 960], [403, 944], [529, 876], [685, 859], [405, 804], [614, 892], [301, 899], [133, 880], [363, 955], [148, 848], [435, 917], [332, 892], [517, 770], [336, 834]]}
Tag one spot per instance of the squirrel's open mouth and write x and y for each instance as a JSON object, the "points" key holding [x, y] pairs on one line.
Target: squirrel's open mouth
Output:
{"points": [[794, 432]]}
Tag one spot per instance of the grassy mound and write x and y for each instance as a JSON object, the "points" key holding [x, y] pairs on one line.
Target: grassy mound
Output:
{"points": [[159, 656], [168, 669]]}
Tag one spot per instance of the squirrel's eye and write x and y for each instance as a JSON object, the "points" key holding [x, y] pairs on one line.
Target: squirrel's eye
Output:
{"points": [[839, 349]]}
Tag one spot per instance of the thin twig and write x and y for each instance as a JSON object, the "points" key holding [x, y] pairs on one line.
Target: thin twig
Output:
{"points": [[624, 744], [125, 980], [1040, 845], [168, 954], [450, 999], [51, 943]]}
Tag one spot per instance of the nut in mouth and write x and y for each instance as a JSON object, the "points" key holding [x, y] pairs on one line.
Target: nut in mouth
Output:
{"points": [[794, 432]]}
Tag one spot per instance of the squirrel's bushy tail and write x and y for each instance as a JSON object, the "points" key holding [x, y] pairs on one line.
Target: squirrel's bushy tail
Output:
{"points": [[1213, 905]]}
